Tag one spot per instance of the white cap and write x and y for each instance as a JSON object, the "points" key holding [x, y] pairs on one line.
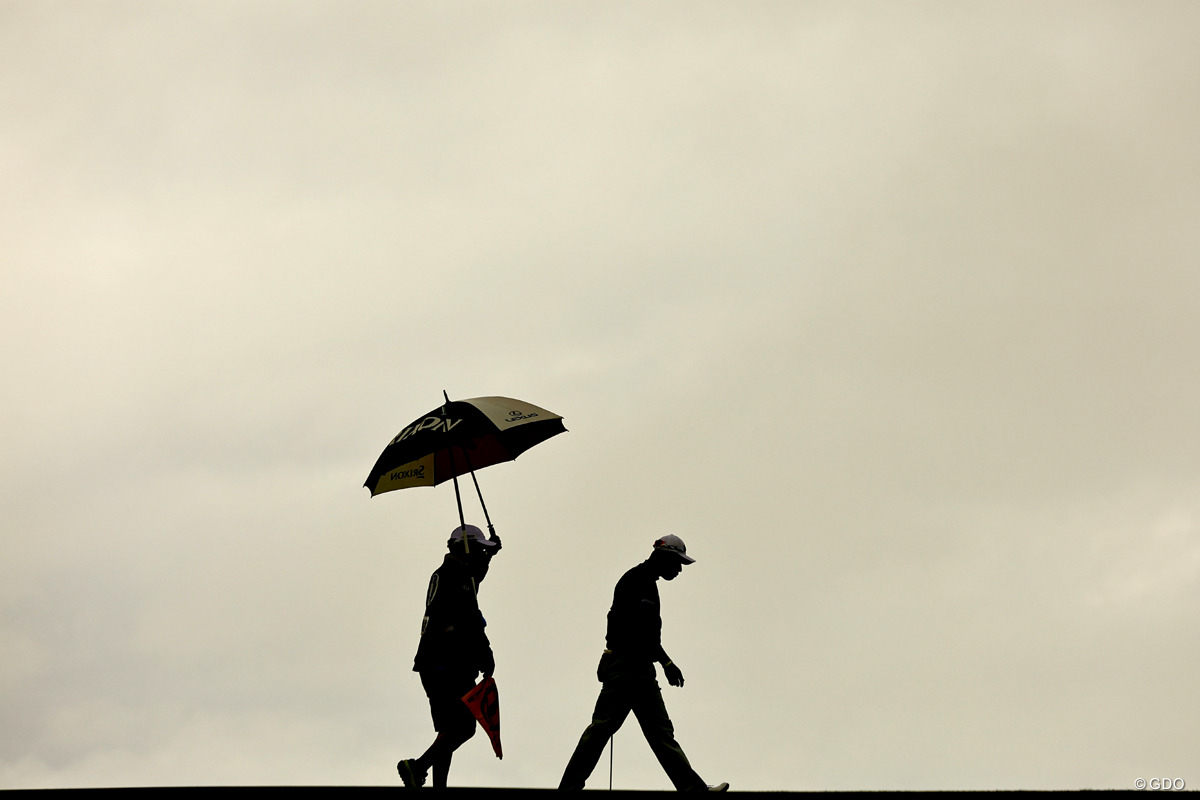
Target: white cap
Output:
{"points": [[673, 544], [473, 533]]}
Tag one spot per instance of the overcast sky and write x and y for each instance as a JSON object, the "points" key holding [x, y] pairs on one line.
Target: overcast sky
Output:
{"points": [[889, 309]]}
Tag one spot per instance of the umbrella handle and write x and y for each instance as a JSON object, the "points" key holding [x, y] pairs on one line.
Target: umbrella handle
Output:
{"points": [[483, 505], [462, 522], [454, 474], [458, 500], [478, 491]]}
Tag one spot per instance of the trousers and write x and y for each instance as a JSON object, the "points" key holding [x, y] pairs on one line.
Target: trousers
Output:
{"points": [[629, 686]]}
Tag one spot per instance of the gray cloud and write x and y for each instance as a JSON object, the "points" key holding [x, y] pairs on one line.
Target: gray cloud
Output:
{"points": [[885, 309]]}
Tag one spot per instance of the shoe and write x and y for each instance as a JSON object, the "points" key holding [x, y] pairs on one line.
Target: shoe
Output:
{"points": [[720, 787], [413, 778]]}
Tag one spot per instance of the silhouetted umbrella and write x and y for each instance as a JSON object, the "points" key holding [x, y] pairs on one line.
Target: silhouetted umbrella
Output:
{"points": [[460, 437]]}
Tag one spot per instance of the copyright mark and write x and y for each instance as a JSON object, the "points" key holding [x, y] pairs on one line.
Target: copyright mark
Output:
{"points": [[1161, 784]]}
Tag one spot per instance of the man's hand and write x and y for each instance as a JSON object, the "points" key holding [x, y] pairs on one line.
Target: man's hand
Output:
{"points": [[673, 673], [488, 664]]}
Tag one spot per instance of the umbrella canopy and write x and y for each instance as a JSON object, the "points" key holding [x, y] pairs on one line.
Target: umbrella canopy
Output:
{"points": [[460, 437]]}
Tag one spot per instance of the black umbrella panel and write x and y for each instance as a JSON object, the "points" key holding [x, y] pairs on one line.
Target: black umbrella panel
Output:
{"points": [[460, 437]]}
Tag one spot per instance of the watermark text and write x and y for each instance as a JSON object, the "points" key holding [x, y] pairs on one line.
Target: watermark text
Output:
{"points": [[1161, 784]]}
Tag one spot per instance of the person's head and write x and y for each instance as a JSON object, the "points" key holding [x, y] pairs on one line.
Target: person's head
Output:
{"points": [[469, 541], [669, 555]]}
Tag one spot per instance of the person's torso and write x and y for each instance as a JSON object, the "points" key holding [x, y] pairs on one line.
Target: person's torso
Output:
{"points": [[635, 619], [452, 629]]}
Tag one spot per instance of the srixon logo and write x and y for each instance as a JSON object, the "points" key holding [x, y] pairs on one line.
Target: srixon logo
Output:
{"points": [[434, 424], [408, 474]]}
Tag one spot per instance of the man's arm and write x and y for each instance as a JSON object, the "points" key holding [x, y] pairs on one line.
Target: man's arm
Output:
{"points": [[673, 674], [489, 553]]}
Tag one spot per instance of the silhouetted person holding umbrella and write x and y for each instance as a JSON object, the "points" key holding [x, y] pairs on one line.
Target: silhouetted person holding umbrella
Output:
{"points": [[454, 649], [627, 674]]}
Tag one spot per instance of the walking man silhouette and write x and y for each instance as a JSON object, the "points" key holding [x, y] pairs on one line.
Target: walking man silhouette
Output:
{"points": [[627, 674], [453, 650]]}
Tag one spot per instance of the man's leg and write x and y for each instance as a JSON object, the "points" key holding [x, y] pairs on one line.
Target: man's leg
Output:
{"points": [[439, 754], [452, 720], [612, 707], [651, 714]]}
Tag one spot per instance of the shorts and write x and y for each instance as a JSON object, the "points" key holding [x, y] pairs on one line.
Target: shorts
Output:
{"points": [[445, 689]]}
